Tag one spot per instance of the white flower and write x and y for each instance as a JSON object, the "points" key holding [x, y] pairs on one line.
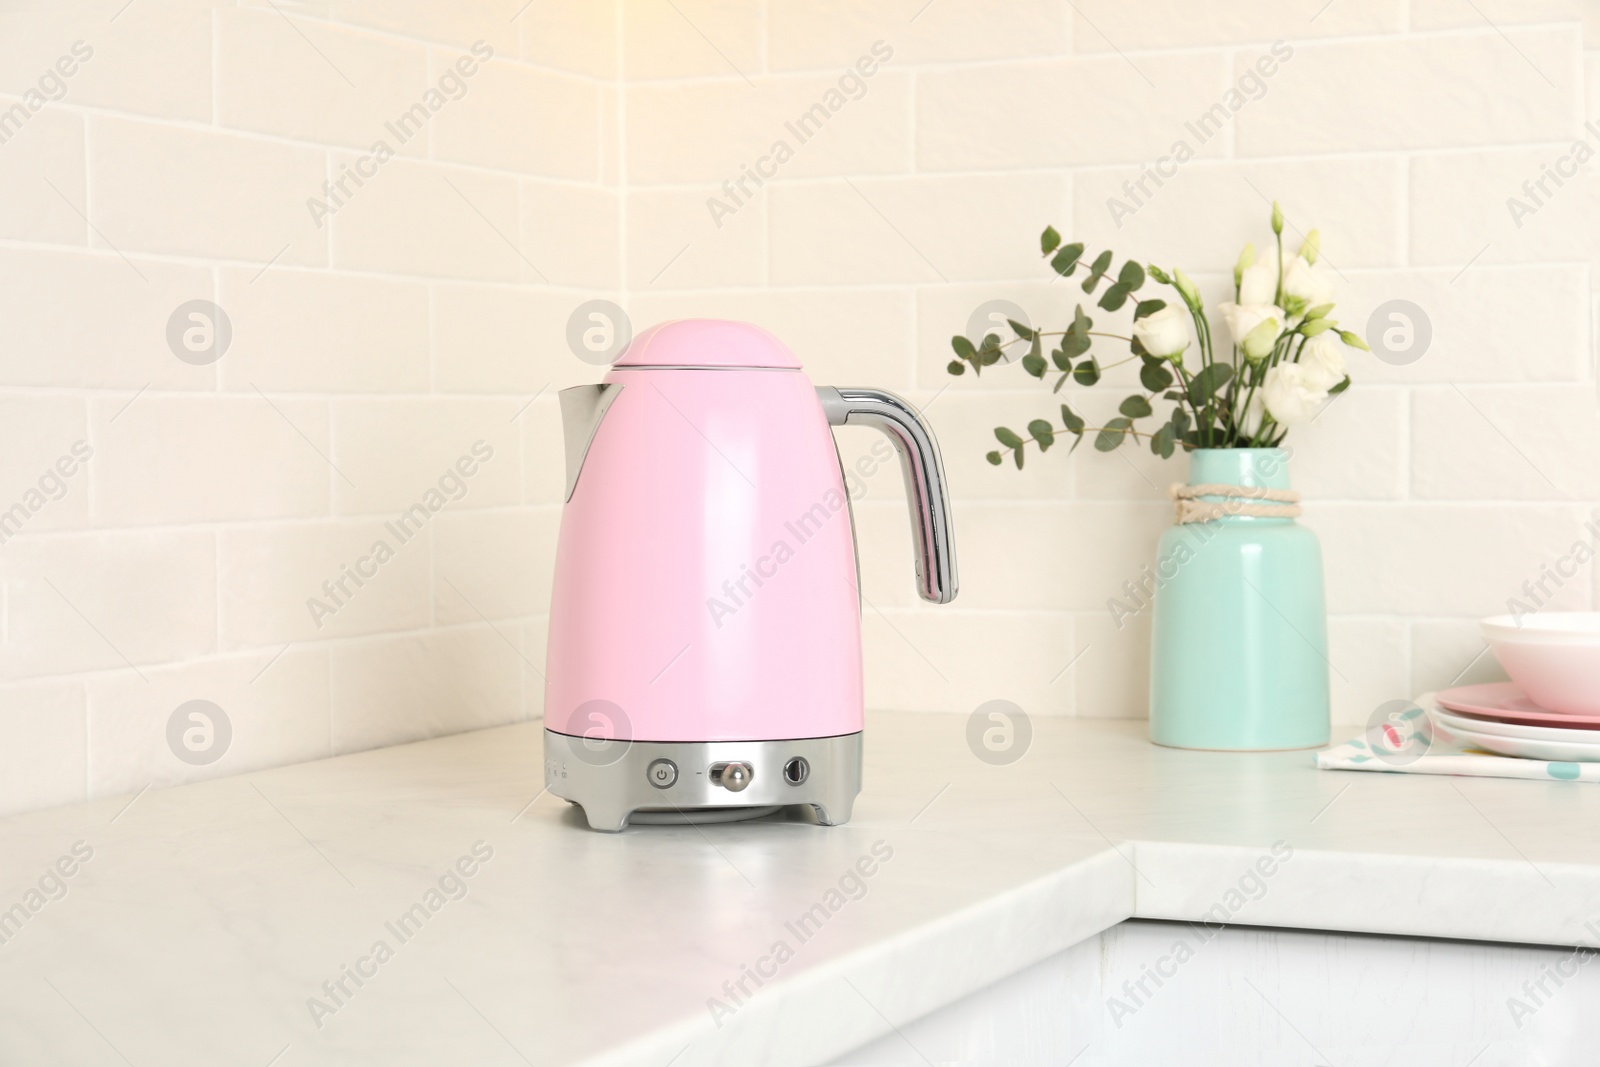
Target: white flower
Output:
{"points": [[1164, 334], [1292, 393], [1255, 327], [1323, 356], [1258, 283], [1309, 283]]}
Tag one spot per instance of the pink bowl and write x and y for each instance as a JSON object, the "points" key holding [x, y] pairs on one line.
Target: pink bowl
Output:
{"points": [[1553, 656]]}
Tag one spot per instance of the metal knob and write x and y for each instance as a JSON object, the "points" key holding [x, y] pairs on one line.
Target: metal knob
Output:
{"points": [[735, 776], [661, 773]]}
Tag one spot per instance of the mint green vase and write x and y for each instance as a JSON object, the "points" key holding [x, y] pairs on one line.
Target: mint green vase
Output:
{"points": [[1239, 651]]}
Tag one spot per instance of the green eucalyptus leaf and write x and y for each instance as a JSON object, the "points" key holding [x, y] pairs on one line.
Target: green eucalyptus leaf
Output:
{"points": [[1154, 375], [1161, 443], [1102, 263], [1112, 434], [1062, 361], [1114, 297], [963, 347], [989, 353], [1179, 422], [994, 458], [1065, 261], [955, 366], [1043, 433], [1218, 375], [1135, 407], [1048, 240], [1007, 437], [1087, 372], [1208, 381], [1147, 307], [1071, 421], [1131, 276], [1022, 331], [1017, 454], [1035, 365]]}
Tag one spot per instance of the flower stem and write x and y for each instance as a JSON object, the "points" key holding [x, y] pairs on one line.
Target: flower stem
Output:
{"points": [[1278, 296]]}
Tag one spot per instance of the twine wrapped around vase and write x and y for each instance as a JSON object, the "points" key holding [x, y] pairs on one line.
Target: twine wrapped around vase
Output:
{"points": [[1239, 500]]}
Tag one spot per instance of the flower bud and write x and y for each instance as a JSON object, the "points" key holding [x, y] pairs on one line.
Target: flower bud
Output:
{"points": [[1186, 289], [1277, 219], [1259, 342], [1353, 340], [1311, 247], [1243, 263]]}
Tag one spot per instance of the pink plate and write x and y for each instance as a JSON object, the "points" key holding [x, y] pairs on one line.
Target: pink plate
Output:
{"points": [[1504, 702]]}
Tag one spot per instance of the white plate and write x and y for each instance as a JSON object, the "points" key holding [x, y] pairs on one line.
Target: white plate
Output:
{"points": [[1531, 742], [1515, 730]]}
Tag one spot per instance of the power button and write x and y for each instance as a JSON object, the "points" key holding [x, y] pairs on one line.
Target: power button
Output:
{"points": [[661, 773]]}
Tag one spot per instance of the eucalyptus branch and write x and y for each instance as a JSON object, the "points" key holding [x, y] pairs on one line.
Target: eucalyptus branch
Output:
{"points": [[1063, 333], [1086, 429]]}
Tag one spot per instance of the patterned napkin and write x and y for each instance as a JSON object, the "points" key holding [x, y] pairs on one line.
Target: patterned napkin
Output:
{"points": [[1407, 743]]}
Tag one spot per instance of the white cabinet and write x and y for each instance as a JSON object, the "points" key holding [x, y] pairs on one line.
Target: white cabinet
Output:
{"points": [[1151, 994]]}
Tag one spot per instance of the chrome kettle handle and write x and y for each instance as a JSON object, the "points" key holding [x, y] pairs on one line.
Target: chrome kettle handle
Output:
{"points": [[924, 473]]}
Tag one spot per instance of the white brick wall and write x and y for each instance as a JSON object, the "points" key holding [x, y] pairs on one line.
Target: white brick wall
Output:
{"points": [[429, 311], [369, 352]]}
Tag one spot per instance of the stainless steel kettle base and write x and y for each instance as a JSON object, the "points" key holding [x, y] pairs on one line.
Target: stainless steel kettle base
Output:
{"points": [[687, 781], [698, 816]]}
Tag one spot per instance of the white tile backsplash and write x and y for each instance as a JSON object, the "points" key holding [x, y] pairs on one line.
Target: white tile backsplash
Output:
{"points": [[374, 342], [187, 191], [1010, 116], [361, 81], [1419, 93]]}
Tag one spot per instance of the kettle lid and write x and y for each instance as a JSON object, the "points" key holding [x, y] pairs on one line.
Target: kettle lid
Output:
{"points": [[707, 343]]}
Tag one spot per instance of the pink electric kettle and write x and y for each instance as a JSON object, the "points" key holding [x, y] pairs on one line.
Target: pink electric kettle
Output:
{"points": [[704, 658]]}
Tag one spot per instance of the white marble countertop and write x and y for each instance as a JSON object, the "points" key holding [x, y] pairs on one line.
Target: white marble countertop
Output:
{"points": [[205, 918]]}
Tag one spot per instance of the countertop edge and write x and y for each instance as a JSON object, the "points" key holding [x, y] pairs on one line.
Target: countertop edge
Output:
{"points": [[868, 993]]}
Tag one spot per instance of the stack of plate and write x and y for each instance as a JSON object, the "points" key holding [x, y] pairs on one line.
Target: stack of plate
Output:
{"points": [[1551, 708], [1499, 717]]}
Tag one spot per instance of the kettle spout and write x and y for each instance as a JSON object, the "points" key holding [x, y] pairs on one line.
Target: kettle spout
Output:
{"points": [[582, 409]]}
